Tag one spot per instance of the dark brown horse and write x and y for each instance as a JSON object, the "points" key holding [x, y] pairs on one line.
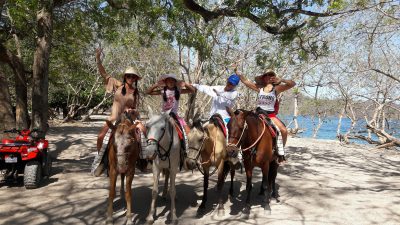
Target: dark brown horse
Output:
{"points": [[123, 153], [249, 134]]}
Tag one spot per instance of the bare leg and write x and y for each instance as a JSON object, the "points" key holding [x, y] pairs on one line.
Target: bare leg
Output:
{"points": [[156, 176]]}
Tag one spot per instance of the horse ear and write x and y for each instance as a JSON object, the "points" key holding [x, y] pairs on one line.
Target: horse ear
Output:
{"points": [[132, 128], [230, 112], [151, 113], [110, 125]]}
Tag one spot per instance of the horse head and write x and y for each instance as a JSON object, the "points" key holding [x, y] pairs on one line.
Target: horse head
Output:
{"points": [[196, 139], [236, 127], [124, 143], [156, 128]]}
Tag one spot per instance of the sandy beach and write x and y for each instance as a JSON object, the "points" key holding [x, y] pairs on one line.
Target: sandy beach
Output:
{"points": [[323, 182]]}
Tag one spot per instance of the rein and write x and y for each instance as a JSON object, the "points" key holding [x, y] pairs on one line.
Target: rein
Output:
{"points": [[166, 155], [240, 138]]}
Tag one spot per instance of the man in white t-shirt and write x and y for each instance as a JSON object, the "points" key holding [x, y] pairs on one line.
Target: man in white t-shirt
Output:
{"points": [[222, 96]]}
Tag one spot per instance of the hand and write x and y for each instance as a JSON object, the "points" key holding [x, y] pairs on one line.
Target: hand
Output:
{"points": [[181, 83], [160, 83], [276, 80]]}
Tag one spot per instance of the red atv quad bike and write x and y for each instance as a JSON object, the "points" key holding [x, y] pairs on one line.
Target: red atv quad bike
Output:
{"points": [[27, 154]]}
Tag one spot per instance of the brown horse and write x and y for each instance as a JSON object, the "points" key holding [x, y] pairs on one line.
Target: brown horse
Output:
{"points": [[122, 155], [207, 147], [248, 133]]}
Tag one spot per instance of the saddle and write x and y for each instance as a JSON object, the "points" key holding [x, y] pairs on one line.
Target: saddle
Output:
{"points": [[217, 120], [182, 135], [271, 127]]}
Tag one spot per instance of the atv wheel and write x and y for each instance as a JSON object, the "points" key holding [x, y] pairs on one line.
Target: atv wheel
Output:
{"points": [[47, 165], [3, 175], [32, 174]]}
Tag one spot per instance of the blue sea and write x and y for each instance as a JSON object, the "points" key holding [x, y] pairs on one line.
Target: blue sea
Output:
{"points": [[329, 127]]}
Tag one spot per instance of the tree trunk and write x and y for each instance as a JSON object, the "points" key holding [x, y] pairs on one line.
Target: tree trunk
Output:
{"points": [[21, 90], [7, 120], [41, 65]]}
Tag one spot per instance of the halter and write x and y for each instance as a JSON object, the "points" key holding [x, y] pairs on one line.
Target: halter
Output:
{"points": [[166, 155], [240, 138], [198, 155]]}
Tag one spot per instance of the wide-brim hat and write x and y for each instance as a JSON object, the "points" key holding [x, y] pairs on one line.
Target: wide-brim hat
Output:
{"points": [[259, 78], [131, 70], [166, 76]]}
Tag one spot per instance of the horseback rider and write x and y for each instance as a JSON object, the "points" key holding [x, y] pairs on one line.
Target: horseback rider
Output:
{"points": [[222, 96], [269, 86], [170, 88], [126, 99]]}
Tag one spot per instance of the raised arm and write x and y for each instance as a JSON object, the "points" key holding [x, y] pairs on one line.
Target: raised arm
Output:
{"points": [[246, 82], [152, 90], [100, 66], [205, 89], [186, 88], [287, 84]]}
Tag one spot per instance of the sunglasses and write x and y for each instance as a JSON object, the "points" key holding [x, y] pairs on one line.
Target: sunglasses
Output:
{"points": [[129, 76]]}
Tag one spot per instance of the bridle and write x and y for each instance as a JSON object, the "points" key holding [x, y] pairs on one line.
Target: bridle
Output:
{"points": [[198, 150], [163, 156], [237, 145]]}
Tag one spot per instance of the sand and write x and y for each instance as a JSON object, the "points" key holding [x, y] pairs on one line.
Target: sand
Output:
{"points": [[323, 182]]}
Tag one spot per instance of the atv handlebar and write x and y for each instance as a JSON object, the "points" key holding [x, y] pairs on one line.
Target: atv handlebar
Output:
{"points": [[34, 133]]}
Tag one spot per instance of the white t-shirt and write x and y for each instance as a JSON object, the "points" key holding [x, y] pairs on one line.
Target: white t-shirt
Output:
{"points": [[171, 102], [266, 100], [220, 100]]}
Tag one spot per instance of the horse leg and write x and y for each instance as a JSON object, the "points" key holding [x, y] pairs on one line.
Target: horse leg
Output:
{"points": [[249, 175], [128, 197], [165, 190], [122, 191], [232, 176], [156, 176], [222, 172], [266, 186], [111, 195], [172, 192], [205, 187], [273, 172]]}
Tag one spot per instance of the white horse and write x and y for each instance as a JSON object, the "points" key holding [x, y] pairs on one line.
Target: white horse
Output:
{"points": [[164, 143]]}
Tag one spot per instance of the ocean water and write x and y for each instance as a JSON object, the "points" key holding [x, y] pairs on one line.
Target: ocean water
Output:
{"points": [[329, 127]]}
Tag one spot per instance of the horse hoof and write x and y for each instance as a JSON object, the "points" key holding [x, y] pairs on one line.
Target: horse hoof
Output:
{"points": [[202, 206], [129, 222], [149, 220], [109, 221], [246, 210], [221, 212]]}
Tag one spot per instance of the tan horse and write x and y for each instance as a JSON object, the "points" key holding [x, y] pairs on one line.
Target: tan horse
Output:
{"points": [[207, 147], [122, 155]]}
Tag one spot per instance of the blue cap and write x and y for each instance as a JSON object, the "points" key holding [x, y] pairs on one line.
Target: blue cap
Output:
{"points": [[234, 79]]}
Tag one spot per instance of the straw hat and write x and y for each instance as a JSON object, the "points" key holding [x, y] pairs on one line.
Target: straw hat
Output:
{"points": [[131, 70], [169, 75], [259, 78]]}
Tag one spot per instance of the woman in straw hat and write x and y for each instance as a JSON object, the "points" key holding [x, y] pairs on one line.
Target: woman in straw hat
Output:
{"points": [[126, 95], [269, 86], [171, 88]]}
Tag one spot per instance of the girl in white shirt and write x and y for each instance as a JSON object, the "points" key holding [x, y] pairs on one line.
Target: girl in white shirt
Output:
{"points": [[268, 86], [170, 88]]}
